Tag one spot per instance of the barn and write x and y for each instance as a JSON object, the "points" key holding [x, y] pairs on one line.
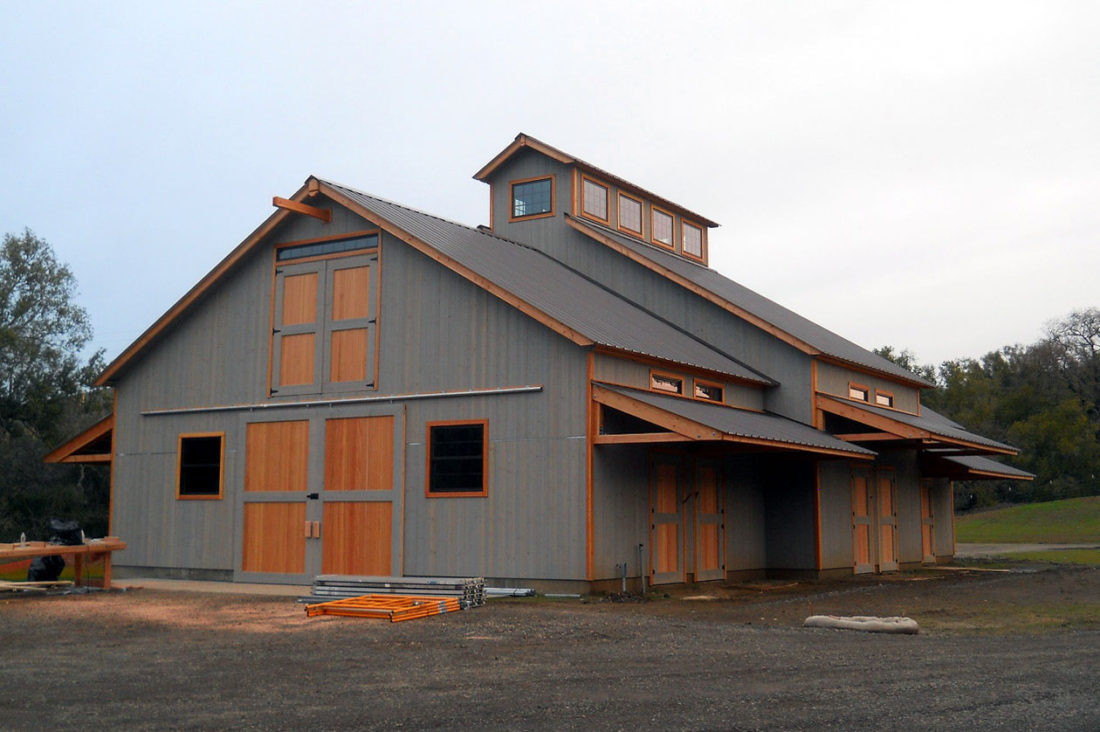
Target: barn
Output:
{"points": [[564, 395]]}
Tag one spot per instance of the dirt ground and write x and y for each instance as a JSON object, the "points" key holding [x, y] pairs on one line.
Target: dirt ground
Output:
{"points": [[997, 650]]}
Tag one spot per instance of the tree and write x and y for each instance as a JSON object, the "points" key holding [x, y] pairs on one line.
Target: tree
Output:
{"points": [[45, 393]]}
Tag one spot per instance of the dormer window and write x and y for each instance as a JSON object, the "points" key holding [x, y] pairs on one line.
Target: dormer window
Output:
{"points": [[662, 227], [532, 198], [630, 214], [594, 199], [692, 240]]}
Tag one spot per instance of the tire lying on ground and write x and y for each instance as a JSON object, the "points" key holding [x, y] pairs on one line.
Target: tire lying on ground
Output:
{"points": [[868, 624]]}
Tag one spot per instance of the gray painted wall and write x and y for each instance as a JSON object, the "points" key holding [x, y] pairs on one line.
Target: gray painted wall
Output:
{"points": [[833, 379], [632, 373]]}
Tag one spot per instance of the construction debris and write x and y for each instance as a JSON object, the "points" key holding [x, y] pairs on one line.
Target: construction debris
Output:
{"points": [[6, 586], [470, 592], [394, 608]]}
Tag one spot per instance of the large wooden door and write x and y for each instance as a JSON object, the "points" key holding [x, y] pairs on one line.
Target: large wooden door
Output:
{"points": [[666, 525], [887, 520], [357, 504], [276, 481], [862, 523], [709, 527], [927, 523]]}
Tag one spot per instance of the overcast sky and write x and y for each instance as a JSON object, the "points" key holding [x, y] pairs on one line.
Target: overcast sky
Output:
{"points": [[918, 174]]}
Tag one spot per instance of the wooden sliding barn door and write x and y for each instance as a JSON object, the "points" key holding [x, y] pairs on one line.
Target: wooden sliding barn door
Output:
{"points": [[862, 521], [357, 506], [887, 520], [709, 530], [666, 524], [276, 482], [927, 523]]}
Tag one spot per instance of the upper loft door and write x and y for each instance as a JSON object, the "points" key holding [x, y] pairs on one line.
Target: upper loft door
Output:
{"points": [[324, 329]]}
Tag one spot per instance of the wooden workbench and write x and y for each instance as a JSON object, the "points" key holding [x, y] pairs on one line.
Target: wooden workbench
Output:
{"points": [[95, 550]]}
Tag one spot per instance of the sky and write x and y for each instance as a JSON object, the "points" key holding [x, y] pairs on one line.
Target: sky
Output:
{"points": [[924, 174]]}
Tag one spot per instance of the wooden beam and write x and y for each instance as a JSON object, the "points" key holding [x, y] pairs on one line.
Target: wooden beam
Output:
{"points": [[323, 214], [640, 438], [866, 436]]}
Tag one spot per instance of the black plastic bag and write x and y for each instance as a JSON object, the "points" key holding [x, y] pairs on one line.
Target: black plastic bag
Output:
{"points": [[45, 569], [65, 532]]}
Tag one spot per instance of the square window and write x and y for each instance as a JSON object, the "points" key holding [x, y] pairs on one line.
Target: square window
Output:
{"points": [[594, 199], [662, 228], [692, 240], [630, 214], [532, 198], [457, 459], [200, 466]]}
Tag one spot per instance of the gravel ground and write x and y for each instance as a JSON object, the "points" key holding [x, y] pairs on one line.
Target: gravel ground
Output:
{"points": [[997, 651]]}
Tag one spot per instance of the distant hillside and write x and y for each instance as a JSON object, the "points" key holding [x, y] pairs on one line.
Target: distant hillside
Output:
{"points": [[1069, 521]]}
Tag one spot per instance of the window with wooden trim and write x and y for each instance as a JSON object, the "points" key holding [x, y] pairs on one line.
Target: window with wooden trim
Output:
{"points": [[630, 214], [662, 227], [666, 383], [593, 199], [884, 399], [325, 323], [691, 243], [200, 462], [709, 391], [532, 198], [856, 391], [458, 458]]}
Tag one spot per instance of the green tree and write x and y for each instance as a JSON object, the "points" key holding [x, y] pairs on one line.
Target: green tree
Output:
{"points": [[44, 392]]}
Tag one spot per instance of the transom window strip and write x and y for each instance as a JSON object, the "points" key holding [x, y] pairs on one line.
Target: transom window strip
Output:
{"points": [[531, 198], [321, 248], [670, 384]]}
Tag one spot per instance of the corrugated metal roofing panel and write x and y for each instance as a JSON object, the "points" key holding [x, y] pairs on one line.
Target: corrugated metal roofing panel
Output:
{"points": [[740, 422], [562, 293], [933, 422], [788, 321], [988, 465]]}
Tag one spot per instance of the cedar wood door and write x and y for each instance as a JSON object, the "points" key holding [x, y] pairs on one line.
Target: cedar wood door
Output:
{"points": [[887, 520], [345, 527], [666, 524], [927, 523], [709, 529], [862, 523]]}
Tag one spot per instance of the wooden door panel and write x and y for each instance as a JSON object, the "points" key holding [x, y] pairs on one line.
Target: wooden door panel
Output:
{"points": [[349, 355], [296, 359], [299, 299], [886, 521], [350, 293], [359, 454], [277, 456], [862, 560], [709, 524], [274, 538], [357, 537], [666, 524]]}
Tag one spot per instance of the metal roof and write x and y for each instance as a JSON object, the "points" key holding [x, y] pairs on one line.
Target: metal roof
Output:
{"points": [[549, 286], [742, 422], [933, 422], [788, 321], [980, 464]]}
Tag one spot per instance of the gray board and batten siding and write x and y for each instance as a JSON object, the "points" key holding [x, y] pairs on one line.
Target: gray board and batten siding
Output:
{"points": [[217, 356]]}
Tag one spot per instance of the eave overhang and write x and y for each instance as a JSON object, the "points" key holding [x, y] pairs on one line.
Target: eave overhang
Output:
{"points": [[93, 445], [688, 420], [893, 425], [969, 467]]}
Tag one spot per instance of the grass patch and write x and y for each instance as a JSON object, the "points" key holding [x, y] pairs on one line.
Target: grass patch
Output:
{"points": [[1059, 556], [1070, 521]]}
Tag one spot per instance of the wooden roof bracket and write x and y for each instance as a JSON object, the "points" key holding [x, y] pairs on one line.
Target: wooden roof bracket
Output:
{"points": [[323, 214]]}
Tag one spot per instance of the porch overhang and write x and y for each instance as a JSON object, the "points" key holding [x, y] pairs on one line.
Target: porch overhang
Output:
{"points": [[926, 431], [93, 445], [690, 420], [969, 467]]}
